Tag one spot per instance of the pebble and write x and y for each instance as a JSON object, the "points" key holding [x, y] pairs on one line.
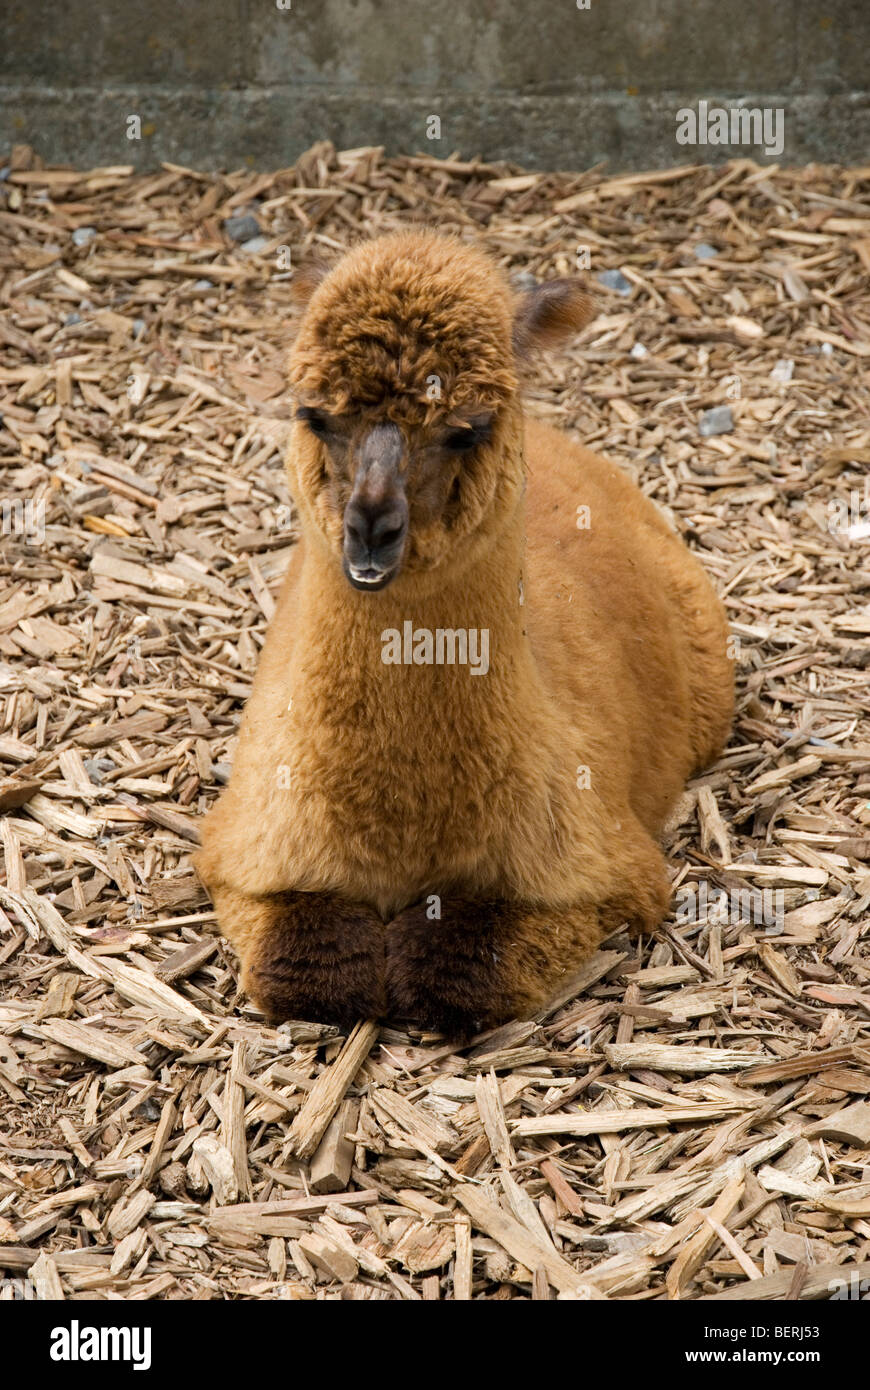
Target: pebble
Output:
{"points": [[255, 245], [638, 350], [783, 371], [704, 251], [525, 280], [614, 280], [138, 328], [148, 1110], [82, 235], [97, 767], [719, 420], [242, 227], [203, 284], [71, 319]]}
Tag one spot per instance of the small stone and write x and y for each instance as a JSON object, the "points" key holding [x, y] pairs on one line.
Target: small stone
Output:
{"points": [[87, 492], [138, 328], [82, 235], [638, 351], [203, 284], [614, 280], [171, 1179], [242, 227], [828, 349], [148, 1110], [96, 768], [525, 280], [783, 371], [704, 251], [71, 319], [719, 420], [255, 245]]}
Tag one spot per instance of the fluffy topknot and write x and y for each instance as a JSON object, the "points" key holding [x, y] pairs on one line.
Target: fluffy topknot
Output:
{"points": [[414, 324]]}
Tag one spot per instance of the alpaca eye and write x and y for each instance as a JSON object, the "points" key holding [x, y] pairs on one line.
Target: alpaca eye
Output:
{"points": [[460, 441], [314, 420], [466, 437]]}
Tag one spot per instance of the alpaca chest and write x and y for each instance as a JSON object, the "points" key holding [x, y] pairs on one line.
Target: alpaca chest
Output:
{"points": [[392, 806], [403, 798]]}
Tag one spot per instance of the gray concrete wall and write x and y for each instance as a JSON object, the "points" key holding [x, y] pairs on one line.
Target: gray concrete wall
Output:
{"points": [[218, 83]]}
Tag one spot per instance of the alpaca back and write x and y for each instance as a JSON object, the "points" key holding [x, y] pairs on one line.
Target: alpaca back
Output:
{"points": [[624, 624]]}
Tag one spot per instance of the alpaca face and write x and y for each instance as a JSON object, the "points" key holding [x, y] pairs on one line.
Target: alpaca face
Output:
{"points": [[408, 442], [398, 492]]}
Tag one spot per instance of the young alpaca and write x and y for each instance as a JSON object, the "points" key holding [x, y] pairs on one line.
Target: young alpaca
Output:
{"points": [[443, 842]]}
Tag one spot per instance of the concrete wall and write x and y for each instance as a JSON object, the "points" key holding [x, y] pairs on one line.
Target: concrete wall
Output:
{"points": [[218, 83]]}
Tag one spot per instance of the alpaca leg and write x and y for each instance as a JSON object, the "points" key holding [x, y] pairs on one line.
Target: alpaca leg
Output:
{"points": [[488, 961], [643, 906], [306, 955], [484, 962]]}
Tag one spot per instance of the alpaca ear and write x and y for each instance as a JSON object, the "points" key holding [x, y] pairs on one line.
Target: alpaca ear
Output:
{"points": [[307, 278], [550, 313]]}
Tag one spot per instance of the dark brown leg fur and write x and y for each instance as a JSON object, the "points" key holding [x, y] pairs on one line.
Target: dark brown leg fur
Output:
{"points": [[483, 963], [486, 962], [447, 975], [320, 958]]}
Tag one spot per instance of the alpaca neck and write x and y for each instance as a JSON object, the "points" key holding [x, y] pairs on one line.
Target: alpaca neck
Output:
{"points": [[483, 597]]}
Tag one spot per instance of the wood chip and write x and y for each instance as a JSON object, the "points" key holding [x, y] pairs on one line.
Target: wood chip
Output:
{"points": [[488, 1216], [326, 1095]]}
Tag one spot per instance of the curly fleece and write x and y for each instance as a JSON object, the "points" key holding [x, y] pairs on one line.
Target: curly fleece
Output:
{"points": [[416, 323]]}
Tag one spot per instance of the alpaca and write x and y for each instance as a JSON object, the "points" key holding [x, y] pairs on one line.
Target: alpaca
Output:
{"points": [[428, 840]]}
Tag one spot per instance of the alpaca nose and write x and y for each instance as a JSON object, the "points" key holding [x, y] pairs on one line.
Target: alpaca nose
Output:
{"points": [[376, 516], [375, 527], [374, 537]]}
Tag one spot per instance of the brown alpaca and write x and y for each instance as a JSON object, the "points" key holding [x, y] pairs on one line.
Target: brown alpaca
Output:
{"points": [[443, 842]]}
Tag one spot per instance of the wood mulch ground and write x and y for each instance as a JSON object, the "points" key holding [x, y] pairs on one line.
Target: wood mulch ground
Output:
{"points": [[691, 1118]]}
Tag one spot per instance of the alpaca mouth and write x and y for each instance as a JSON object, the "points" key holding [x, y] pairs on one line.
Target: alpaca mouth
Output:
{"points": [[369, 577]]}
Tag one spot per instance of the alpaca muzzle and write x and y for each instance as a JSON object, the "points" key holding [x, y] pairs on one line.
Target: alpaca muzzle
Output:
{"points": [[376, 517]]}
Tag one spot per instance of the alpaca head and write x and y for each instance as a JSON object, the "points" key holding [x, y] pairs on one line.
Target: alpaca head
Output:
{"points": [[407, 449]]}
